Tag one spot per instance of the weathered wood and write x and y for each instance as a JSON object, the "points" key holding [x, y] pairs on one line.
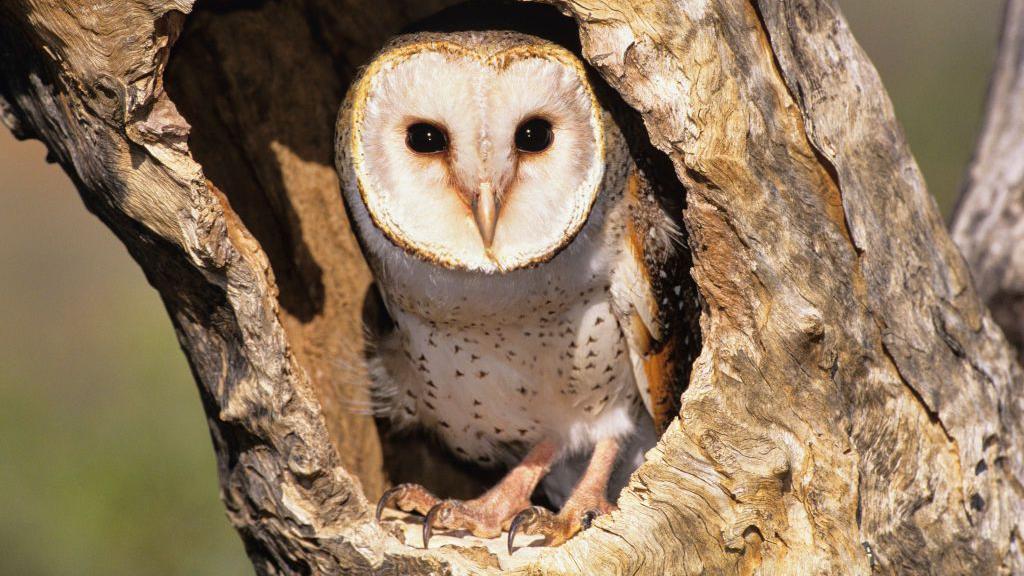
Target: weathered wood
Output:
{"points": [[854, 407], [988, 223]]}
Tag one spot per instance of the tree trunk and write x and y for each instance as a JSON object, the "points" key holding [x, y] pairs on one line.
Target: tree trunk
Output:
{"points": [[853, 408], [988, 224]]}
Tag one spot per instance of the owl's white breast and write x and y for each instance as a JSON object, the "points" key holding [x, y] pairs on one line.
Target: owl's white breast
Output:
{"points": [[550, 373]]}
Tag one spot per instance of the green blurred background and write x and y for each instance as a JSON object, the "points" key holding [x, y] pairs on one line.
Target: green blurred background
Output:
{"points": [[105, 460]]}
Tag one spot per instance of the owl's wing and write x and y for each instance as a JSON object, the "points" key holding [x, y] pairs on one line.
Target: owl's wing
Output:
{"points": [[649, 296]]}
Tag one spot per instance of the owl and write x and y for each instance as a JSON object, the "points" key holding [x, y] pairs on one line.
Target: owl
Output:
{"points": [[520, 255]]}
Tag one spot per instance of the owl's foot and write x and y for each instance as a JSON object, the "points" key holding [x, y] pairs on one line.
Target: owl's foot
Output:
{"points": [[484, 517], [556, 528], [588, 501], [408, 498]]}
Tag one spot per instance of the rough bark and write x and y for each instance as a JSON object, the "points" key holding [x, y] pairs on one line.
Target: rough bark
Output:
{"points": [[988, 224], [854, 408]]}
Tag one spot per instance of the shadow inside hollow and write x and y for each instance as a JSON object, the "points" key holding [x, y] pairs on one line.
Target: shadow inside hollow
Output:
{"points": [[217, 78]]}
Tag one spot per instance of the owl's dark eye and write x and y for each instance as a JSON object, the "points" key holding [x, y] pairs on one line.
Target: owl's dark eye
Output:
{"points": [[425, 138], [534, 135]]}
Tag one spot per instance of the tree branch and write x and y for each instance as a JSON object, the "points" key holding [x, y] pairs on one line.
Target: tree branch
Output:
{"points": [[988, 223]]}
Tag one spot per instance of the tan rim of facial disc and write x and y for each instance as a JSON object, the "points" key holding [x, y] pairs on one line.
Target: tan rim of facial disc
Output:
{"points": [[582, 199]]}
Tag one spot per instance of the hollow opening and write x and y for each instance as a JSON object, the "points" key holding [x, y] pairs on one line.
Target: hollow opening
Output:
{"points": [[261, 82]]}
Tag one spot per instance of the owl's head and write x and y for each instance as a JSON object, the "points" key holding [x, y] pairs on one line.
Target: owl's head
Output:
{"points": [[478, 151]]}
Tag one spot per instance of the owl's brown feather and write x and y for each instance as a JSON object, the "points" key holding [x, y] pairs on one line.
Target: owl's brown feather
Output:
{"points": [[649, 299]]}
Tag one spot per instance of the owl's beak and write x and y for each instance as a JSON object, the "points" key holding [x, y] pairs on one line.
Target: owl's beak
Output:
{"points": [[485, 210]]}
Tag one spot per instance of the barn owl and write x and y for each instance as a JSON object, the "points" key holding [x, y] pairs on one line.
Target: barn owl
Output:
{"points": [[516, 247]]}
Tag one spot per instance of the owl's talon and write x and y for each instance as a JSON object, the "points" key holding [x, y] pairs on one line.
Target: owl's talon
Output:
{"points": [[408, 498], [556, 528], [525, 521], [428, 523], [387, 497], [440, 510]]}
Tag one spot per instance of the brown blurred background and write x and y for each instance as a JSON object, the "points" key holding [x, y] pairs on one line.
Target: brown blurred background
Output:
{"points": [[105, 462]]}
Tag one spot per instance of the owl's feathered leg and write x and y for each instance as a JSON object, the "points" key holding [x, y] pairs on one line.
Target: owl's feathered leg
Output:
{"points": [[484, 516], [588, 500]]}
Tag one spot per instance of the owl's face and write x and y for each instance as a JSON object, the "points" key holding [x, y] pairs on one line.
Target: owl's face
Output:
{"points": [[476, 156]]}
